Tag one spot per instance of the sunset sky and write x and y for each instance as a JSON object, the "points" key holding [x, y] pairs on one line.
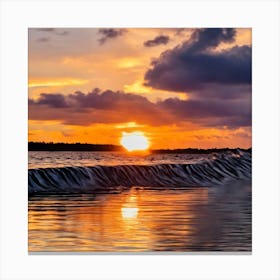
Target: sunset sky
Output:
{"points": [[180, 87]]}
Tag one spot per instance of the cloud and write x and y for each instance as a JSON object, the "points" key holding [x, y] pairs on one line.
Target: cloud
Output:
{"points": [[56, 31], [52, 100], [43, 39], [205, 38], [49, 32], [205, 112], [110, 33], [43, 29], [224, 92], [194, 65], [94, 107], [118, 107], [108, 100], [159, 40]]}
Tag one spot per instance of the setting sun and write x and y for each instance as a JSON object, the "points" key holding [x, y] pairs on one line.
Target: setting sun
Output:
{"points": [[135, 141]]}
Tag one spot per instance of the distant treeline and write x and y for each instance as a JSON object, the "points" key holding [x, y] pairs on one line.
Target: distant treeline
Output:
{"points": [[42, 146], [198, 151]]}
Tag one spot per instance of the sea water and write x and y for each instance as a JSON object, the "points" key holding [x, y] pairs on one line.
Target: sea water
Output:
{"points": [[114, 202]]}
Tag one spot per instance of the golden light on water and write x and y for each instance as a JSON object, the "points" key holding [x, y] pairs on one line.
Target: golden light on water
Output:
{"points": [[130, 208], [130, 221], [129, 212], [134, 141]]}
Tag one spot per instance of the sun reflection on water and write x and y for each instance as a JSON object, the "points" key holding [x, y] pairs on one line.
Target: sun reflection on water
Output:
{"points": [[136, 220], [129, 209], [129, 213]]}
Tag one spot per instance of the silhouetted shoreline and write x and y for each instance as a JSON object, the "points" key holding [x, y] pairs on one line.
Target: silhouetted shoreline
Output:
{"points": [[42, 146]]}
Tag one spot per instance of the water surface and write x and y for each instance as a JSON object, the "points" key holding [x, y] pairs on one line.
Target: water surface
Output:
{"points": [[44, 159], [143, 220]]}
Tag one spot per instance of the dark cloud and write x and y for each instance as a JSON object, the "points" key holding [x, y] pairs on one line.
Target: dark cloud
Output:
{"points": [[95, 107], [115, 107], [194, 65], [223, 92], [217, 113], [205, 38], [110, 33], [97, 99], [198, 108], [159, 40], [52, 100]]}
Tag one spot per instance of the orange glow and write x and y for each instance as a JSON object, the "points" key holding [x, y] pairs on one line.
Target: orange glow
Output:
{"points": [[135, 141], [130, 207], [129, 125], [119, 220], [82, 64], [153, 95], [55, 82], [126, 63], [137, 87], [190, 136]]}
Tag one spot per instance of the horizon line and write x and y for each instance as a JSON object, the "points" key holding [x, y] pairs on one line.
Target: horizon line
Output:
{"points": [[120, 146]]}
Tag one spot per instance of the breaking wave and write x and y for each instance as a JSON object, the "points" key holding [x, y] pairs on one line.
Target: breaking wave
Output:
{"points": [[219, 169]]}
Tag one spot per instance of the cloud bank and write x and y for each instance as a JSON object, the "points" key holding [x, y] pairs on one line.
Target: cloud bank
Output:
{"points": [[115, 107], [195, 65]]}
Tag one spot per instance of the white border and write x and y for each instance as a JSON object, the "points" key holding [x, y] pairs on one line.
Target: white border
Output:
{"points": [[262, 16]]}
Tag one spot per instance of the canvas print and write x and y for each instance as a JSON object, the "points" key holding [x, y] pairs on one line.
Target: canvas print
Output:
{"points": [[139, 140]]}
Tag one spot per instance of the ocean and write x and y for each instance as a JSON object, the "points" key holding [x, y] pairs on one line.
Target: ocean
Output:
{"points": [[117, 202]]}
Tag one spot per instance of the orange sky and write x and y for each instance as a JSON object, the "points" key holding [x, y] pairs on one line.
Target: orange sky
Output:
{"points": [[67, 66]]}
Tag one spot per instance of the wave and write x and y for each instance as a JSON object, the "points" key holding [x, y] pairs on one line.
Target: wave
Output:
{"points": [[216, 170]]}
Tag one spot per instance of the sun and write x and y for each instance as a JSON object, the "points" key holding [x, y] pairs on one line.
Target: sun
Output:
{"points": [[134, 141]]}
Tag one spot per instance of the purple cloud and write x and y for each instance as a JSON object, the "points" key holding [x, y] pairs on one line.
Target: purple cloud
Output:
{"points": [[110, 33], [159, 40], [205, 38], [52, 100], [114, 107], [192, 66]]}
